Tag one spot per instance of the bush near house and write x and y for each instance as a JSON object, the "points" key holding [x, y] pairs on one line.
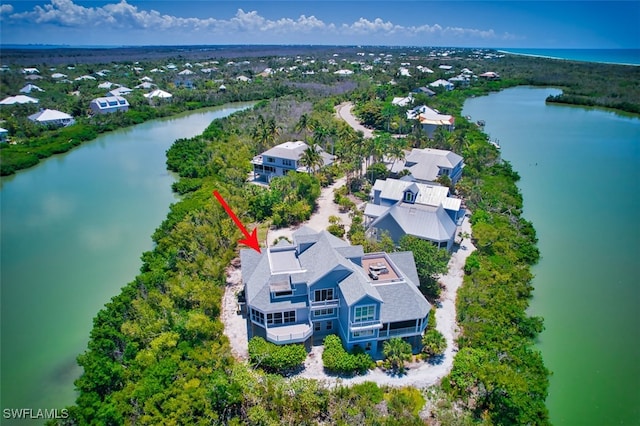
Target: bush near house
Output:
{"points": [[335, 358], [275, 358]]}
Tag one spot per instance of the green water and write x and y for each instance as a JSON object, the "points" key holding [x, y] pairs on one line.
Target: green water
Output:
{"points": [[72, 232], [580, 179]]}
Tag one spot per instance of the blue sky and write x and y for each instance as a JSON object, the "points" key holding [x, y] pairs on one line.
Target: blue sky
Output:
{"points": [[506, 23]]}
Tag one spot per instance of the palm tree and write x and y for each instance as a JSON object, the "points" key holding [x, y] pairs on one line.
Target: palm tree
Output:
{"points": [[272, 130], [311, 158], [396, 151], [304, 125], [396, 352]]}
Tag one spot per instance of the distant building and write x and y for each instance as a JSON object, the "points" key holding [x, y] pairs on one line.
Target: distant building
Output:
{"points": [[442, 83], [119, 91], [158, 94], [431, 119], [4, 135], [282, 159], [320, 285], [30, 88], [109, 104], [18, 99], [52, 117]]}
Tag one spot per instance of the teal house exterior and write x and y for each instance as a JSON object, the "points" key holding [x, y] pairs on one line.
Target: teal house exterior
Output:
{"points": [[318, 285]]}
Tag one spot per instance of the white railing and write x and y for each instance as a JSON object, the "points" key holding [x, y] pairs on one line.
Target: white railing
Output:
{"points": [[331, 303], [398, 332], [357, 325], [301, 336]]}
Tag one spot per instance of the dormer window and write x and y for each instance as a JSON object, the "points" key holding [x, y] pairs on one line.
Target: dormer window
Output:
{"points": [[410, 194]]}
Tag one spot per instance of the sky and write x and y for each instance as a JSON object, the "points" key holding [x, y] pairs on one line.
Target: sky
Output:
{"points": [[491, 24]]}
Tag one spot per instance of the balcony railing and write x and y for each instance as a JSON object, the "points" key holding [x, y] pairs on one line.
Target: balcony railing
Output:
{"points": [[330, 303], [294, 333], [399, 332], [364, 325]]}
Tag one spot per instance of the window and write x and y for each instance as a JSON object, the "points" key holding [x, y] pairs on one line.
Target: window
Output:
{"points": [[367, 347], [325, 294], [316, 327], [286, 162], [271, 160], [324, 312], [289, 317], [408, 197], [281, 318], [257, 316], [283, 293], [365, 333], [329, 325], [364, 313]]}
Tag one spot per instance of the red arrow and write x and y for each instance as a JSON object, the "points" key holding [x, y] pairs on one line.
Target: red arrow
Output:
{"points": [[251, 240]]}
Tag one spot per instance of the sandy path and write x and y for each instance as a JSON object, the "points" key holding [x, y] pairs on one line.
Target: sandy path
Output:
{"points": [[344, 112]]}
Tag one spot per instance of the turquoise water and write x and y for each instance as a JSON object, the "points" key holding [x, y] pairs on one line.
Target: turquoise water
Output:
{"points": [[580, 179], [611, 56], [73, 229]]}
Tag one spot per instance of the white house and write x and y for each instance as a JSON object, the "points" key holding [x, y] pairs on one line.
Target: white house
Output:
{"points": [[399, 101], [30, 71], [4, 134], [52, 117], [343, 72], [58, 75], [119, 91], [158, 94], [243, 78], [18, 99], [109, 104], [442, 83], [30, 88], [283, 158]]}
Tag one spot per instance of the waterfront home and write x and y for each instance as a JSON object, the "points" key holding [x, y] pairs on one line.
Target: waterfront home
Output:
{"points": [[426, 165], [430, 120], [318, 285], [52, 117], [401, 207], [109, 104], [30, 88], [18, 99], [158, 94], [284, 158], [442, 83], [490, 75]]}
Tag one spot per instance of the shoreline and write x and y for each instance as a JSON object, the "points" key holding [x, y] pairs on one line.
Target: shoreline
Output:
{"points": [[533, 55]]}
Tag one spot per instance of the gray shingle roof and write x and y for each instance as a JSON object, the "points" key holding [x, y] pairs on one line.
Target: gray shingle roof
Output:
{"points": [[407, 264], [356, 286], [402, 302], [424, 164]]}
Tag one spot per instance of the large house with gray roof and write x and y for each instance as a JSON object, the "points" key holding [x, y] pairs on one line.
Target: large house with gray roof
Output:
{"points": [[401, 207], [318, 285], [283, 158], [426, 165]]}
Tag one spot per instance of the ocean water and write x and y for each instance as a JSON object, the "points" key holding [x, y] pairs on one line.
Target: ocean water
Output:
{"points": [[610, 56], [580, 181]]}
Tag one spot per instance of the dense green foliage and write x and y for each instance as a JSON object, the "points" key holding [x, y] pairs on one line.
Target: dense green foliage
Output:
{"points": [[276, 358], [396, 351], [335, 358], [430, 262], [433, 342]]}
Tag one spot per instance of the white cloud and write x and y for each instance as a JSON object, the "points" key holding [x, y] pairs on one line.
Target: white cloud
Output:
{"points": [[123, 15], [5, 8]]}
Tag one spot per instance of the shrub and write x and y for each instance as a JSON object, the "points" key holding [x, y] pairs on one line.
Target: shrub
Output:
{"points": [[275, 358], [335, 358], [434, 343]]}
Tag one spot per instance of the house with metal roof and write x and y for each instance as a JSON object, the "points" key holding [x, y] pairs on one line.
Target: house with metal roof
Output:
{"points": [[401, 207], [52, 117], [426, 165], [318, 285], [109, 104], [282, 159]]}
